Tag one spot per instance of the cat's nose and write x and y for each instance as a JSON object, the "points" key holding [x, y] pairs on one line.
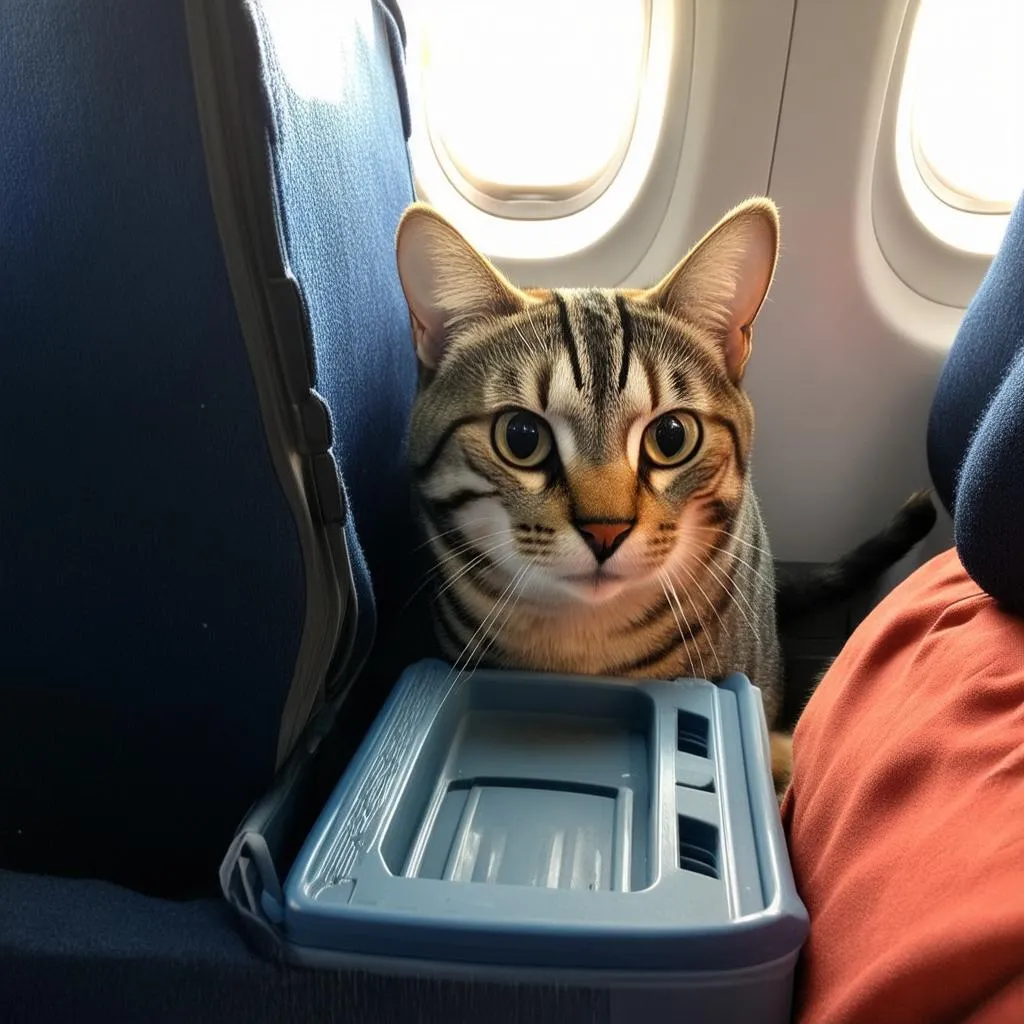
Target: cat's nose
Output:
{"points": [[603, 537]]}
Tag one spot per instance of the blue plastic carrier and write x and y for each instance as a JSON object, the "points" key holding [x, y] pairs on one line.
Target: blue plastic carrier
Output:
{"points": [[586, 831]]}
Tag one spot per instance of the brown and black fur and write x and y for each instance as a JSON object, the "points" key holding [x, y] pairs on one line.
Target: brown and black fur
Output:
{"points": [[691, 590]]}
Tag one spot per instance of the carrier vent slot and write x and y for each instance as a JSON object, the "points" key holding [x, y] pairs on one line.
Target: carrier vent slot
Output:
{"points": [[698, 846], [692, 734]]}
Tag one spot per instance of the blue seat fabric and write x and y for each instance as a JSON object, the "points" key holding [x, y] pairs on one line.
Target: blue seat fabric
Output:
{"points": [[100, 954], [152, 583], [988, 340], [976, 427], [342, 178]]}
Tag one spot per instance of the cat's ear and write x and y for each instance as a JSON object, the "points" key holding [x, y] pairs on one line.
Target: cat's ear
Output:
{"points": [[722, 282], [446, 281]]}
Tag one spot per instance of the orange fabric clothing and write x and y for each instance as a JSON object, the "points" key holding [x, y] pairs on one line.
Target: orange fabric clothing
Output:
{"points": [[905, 817]]}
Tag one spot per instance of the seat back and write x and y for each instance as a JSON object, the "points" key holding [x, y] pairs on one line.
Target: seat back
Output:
{"points": [[336, 125], [171, 519], [976, 428]]}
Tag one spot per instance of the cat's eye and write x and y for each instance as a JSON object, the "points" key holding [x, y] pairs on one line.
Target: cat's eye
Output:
{"points": [[672, 439], [522, 439]]}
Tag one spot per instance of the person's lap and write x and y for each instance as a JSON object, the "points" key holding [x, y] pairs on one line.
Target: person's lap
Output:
{"points": [[905, 817]]}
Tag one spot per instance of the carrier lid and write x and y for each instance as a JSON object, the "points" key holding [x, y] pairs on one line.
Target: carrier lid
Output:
{"points": [[546, 821]]}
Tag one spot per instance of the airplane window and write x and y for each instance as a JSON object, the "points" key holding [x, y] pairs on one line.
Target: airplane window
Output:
{"points": [[529, 106], [963, 88]]}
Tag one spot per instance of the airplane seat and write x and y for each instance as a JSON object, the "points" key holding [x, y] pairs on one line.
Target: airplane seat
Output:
{"points": [[205, 377], [159, 564], [990, 337], [976, 428], [153, 582], [905, 817]]}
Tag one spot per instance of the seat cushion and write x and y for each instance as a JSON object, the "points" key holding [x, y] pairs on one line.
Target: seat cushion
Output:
{"points": [[906, 814], [988, 341], [89, 952], [991, 493]]}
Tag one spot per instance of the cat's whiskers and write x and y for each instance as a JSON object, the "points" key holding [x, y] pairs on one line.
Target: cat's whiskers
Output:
{"points": [[735, 537], [533, 327], [710, 604], [517, 594], [764, 579], [662, 336], [725, 585], [522, 337], [463, 548], [467, 545], [496, 609], [426, 578], [665, 585], [468, 567], [700, 621], [447, 533]]}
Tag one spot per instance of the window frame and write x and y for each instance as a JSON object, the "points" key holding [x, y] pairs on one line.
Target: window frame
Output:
{"points": [[572, 200], [937, 248], [696, 172], [553, 233]]}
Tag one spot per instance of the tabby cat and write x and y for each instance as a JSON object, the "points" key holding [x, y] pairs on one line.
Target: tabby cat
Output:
{"points": [[581, 462]]}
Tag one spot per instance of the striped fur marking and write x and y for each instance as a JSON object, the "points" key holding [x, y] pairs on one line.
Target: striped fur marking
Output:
{"points": [[600, 376]]}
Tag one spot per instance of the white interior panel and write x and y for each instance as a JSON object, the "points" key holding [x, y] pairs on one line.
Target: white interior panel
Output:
{"points": [[799, 101], [739, 69], [716, 148], [846, 356]]}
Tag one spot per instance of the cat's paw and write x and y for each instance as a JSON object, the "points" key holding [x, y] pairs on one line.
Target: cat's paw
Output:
{"points": [[916, 516], [782, 761]]}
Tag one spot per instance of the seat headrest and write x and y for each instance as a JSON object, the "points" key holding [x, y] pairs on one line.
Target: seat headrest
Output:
{"points": [[976, 427], [987, 515]]}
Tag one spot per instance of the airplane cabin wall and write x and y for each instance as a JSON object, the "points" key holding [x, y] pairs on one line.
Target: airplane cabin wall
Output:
{"points": [[796, 100], [847, 355]]}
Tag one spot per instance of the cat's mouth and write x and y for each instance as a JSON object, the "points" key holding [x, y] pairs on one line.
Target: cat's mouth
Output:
{"points": [[599, 584]]}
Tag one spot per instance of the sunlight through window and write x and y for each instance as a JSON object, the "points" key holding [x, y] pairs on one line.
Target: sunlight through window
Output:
{"points": [[966, 103], [533, 101]]}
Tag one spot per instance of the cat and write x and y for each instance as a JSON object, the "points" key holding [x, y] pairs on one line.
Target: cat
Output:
{"points": [[581, 463]]}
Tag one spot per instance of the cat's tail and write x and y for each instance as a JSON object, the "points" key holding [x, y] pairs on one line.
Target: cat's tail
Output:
{"points": [[859, 568]]}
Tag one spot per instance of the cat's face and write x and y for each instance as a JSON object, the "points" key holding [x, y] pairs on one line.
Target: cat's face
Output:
{"points": [[582, 444]]}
